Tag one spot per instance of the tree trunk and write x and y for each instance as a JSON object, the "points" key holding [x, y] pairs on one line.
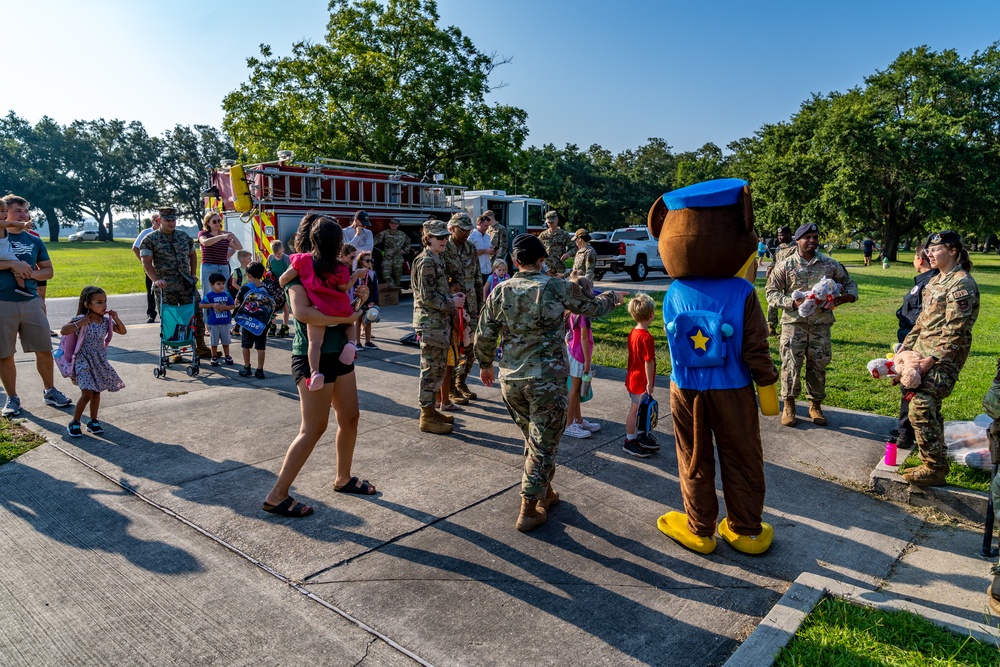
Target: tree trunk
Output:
{"points": [[102, 231], [890, 236], [53, 222], [111, 227]]}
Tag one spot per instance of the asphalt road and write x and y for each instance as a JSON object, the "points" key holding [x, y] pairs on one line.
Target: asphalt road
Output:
{"points": [[131, 308]]}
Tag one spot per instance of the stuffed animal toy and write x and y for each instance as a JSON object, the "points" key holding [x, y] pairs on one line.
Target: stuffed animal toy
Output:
{"points": [[820, 296], [905, 365], [718, 350]]}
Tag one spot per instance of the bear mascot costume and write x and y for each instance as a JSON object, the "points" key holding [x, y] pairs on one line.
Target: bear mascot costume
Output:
{"points": [[718, 349]]}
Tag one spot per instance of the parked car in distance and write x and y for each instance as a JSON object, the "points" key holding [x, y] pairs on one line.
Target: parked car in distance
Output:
{"points": [[88, 235], [630, 249]]}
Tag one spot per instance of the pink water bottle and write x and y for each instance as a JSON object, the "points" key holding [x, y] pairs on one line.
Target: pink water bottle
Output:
{"points": [[890, 453]]}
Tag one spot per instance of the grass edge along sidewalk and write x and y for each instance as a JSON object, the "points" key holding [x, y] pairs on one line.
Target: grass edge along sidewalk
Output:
{"points": [[774, 639], [16, 440]]}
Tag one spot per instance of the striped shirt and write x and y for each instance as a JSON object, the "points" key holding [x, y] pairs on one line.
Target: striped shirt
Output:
{"points": [[215, 253]]}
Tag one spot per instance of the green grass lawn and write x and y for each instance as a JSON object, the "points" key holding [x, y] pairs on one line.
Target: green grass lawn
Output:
{"points": [[111, 266], [15, 440], [840, 634], [864, 330]]}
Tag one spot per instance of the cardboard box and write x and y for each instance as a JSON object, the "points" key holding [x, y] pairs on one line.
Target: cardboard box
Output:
{"points": [[388, 297]]}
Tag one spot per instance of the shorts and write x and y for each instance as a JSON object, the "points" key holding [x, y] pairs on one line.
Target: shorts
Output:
{"points": [[329, 365], [24, 319], [575, 367], [248, 340], [220, 334], [636, 398]]}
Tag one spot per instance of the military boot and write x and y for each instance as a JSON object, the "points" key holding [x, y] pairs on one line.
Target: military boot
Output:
{"points": [[816, 413], [772, 330], [532, 515], [456, 394], [923, 475], [552, 498], [994, 598], [788, 414], [447, 419], [429, 422], [464, 390]]}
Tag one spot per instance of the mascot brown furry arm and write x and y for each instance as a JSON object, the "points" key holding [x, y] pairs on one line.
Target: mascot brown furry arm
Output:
{"points": [[718, 350]]}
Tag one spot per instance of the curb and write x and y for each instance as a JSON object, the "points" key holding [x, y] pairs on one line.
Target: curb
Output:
{"points": [[785, 618], [962, 503]]}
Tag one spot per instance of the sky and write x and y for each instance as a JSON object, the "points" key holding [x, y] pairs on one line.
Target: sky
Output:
{"points": [[586, 71]]}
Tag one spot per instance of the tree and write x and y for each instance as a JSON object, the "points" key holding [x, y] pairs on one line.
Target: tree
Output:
{"points": [[112, 163], [388, 85], [185, 154]]}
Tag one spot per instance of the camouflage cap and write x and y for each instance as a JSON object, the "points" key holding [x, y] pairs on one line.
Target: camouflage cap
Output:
{"points": [[168, 212], [551, 215], [436, 228], [582, 234], [462, 221]]}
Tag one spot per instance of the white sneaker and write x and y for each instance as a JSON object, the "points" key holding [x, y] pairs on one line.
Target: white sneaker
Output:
{"points": [[590, 426], [574, 430]]}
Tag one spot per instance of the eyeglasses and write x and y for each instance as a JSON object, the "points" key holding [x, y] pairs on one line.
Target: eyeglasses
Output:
{"points": [[366, 261]]}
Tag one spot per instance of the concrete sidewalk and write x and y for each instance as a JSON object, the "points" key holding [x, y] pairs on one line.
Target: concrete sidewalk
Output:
{"points": [[187, 568]]}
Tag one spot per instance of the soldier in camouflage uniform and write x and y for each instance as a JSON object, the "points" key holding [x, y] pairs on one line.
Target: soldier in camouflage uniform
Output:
{"points": [[991, 405], [394, 245], [557, 242], [498, 237], [943, 336], [433, 308], [806, 340], [528, 311], [585, 259], [169, 259], [461, 261], [784, 249]]}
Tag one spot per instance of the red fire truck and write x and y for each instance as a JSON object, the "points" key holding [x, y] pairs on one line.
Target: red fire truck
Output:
{"points": [[263, 202]]}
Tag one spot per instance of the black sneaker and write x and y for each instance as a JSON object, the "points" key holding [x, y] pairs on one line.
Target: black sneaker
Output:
{"points": [[648, 442], [259, 373], [94, 426], [74, 429], [150, 320], [635, 448], [229, 360], [245, 372], [214, 361]]}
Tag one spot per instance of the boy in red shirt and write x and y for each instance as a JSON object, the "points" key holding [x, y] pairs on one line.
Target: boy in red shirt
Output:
{"points": [[641, 376]]}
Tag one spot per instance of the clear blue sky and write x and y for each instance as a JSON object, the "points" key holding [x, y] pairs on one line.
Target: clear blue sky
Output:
{"points": [[586, 71]]}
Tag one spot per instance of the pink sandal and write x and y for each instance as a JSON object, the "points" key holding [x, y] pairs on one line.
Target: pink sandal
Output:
{"points": [[315, 381]]}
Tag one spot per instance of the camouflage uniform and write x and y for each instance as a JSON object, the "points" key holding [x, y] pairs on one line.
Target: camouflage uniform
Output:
{"points": [[557, 243], [584, 262], [462, 264], [394, 243], [498, 239], [943, 331], [805, 340], [781, 252], [528, 311], [171, 255], [432, 314]]}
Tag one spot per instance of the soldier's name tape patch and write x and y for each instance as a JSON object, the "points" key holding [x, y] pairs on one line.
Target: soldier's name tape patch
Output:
{"points": [[962, 294]]}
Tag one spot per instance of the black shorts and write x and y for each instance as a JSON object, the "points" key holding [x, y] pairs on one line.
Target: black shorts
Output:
{"points": [[248, 340], [329, 366]]}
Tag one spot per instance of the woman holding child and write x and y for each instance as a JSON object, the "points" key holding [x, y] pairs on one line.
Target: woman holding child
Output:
{"points": [[339, 387]]}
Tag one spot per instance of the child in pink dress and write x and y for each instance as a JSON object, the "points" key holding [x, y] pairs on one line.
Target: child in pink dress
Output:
{"points": [[327, 283]]}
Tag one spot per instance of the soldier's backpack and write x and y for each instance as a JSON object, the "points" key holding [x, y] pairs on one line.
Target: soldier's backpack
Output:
{"points": [[648, 415]]}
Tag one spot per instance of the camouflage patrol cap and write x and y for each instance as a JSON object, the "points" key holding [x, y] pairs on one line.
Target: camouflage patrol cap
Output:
{"points": [[168, 212], [462, 221], [582, 234], [436, 228], [946, 236], [551, 215]]}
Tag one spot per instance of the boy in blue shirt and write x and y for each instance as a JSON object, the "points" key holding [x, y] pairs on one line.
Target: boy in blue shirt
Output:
{"points": [[218, 306]]}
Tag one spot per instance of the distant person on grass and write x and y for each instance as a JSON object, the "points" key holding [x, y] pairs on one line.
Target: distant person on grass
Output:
{"points": [[22, 316], [339, 389], [150, 297]]}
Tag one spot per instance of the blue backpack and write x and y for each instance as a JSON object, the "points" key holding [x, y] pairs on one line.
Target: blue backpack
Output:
{"points": [[648, 415]]}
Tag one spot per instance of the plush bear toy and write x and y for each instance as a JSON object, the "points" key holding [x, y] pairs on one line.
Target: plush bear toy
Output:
{"points": [[905, 365], [718, 350], [821, 296]]}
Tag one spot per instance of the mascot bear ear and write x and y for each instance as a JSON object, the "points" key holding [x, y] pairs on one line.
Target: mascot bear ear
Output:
{"points": [[657, 214], [747, 209]]}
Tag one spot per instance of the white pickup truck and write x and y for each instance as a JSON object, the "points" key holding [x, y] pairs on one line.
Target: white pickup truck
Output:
{"points": [[630, 249]]}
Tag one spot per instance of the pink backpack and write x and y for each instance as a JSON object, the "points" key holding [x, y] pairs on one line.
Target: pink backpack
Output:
{"points": [[70, 344]]}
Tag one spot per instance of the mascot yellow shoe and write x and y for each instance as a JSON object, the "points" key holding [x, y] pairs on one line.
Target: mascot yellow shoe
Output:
{"points": [[748, 544], [675, 526]]}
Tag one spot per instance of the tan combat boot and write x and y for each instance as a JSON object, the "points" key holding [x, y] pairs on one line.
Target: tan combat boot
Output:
{"points": [[429, 422], [788, 414], [532, 515], [772, 330], [455, 394], [464, 390], [816, 413], [922, 475], [551, 499], [447, 419]]}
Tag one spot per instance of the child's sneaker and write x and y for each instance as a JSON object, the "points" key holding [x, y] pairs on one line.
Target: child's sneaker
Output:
{"points": [[228, 360], [574, 430], [315, 381], [636, 449], [272, 330], [214, 361], [235, 330], [283, 332], [590, 426], [95, 427], [245, 372], [259, 373], [649, 442], [74, 429], [371, 346]]}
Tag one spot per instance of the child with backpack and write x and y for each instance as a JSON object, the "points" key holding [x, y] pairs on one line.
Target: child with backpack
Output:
{"points": [[364, 263], [277, 264], [237, 279], [641, 377], [84, 355], [218, 307], [498, 276], [254, 308], [580, 346]]}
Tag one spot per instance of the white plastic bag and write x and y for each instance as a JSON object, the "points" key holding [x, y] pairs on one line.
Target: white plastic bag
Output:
{"points": [[968, 443]]}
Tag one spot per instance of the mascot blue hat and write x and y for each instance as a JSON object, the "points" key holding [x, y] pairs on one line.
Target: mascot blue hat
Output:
{"points": [[720, 192]]}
